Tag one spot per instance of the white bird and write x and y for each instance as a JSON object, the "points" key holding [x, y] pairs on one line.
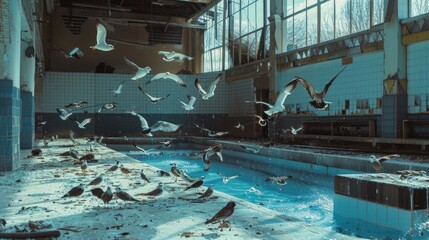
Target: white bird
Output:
{"points": [[317, 97], [83, 123], [190, 105], [210, 93], [227, 179], [145, 152], [168, 75], [101, 39], [76, 104], [97, 180], [154, 100], [158, 126], [173, 56], [262, 122], [118, 90], [185, 177], [211, 133], [251, 149], [278, 105], [293, 130], [239, 126], [110, 106], [141, 72], [376, 162], [64, 114], [254, 190]]}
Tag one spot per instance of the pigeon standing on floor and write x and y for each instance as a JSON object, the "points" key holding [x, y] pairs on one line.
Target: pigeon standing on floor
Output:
{"points": [[118, 90], [101, 39], [124, 170], [190, 105], [317, 97], [185, 177], [97, 192], [156, 192], [107, 196], [376, 163], [75, 191], [124, 196], [97, 180], [210, 93], [175, 170], [83, 123], [173, 56], [207, 193], [84, 165], [141, 72], [196, 184], [162, 173], [143, 176], [114, 167], [35, 152], [223, 214]]}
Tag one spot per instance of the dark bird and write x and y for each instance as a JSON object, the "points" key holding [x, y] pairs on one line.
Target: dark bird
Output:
{"points": [[2, 224], [124, 170], [317, 97], [97, 192], [76, 104], [154, 100], [163, 173], [88, 157], [207, 193], [84, 165], [109, 106], [97, 180], [143, 176], [75, 191], [114, 167], [107, 196], [376, 163], [35, 152], [223, 214], [197, 183], [175, 170], [124, 196], [156, 192], [279, 180]]}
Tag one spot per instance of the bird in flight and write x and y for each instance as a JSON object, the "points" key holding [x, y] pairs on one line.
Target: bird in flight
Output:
{"points": [[210, 93], [101, 39], [141, 72], [173, 56]]}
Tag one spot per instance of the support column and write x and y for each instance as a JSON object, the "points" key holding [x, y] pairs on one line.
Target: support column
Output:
{"points": [[395, 99], [10, 100]]}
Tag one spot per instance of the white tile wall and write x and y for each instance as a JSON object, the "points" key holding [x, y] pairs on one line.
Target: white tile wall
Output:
{"points": [[418, 82], [363, 79], [61, 88]]}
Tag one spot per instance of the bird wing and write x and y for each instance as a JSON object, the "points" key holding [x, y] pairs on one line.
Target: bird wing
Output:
{"points": [[257, 116], [298, 129], [101, 34], [131, 64], [387, 157], [86, 121], [164, 126], [139, 148], [157, 76], [166, 96], [325, 90], [120, 86], [142, 120], [198, 85], [149, 96], [182, 56], [176, 78], [192, 100], [165, 53], [214, 83], [261, 102], [287, 90], [307, 85]]}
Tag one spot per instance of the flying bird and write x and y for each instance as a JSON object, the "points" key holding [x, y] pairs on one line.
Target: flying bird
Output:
{"points": [[109, 106], [279, 180], [145, 152], [223, 214], [75, 191], [64, 114], [376, 163], [211, 133], [154, 100], [124, 196], [210, 93], [83, 123], [76, 104], [190, 105], [168, 75], [251, 149], [173, 56], [165, 144], [101, 39], [141, 72], [118, 90], [261, 121], [225, 179], [254, 190], [158, 126], [97, 180], [293, 130], [42, 123], [317, 97], [239, 126], [143, 176], [75, 53]]}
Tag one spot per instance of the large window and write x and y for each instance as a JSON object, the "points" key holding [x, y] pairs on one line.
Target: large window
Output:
{"points": [[337, 18], [418, 7], [246, 34]]}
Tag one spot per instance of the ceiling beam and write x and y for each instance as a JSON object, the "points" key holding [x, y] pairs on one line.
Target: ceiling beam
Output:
{"points": [[202, 11], [127, 16]]}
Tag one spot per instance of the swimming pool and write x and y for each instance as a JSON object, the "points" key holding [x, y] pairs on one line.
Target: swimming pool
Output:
{"points": [[307, 196]]}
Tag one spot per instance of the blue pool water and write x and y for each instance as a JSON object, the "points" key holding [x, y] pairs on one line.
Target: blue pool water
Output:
{"points": [[306, 197]]}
